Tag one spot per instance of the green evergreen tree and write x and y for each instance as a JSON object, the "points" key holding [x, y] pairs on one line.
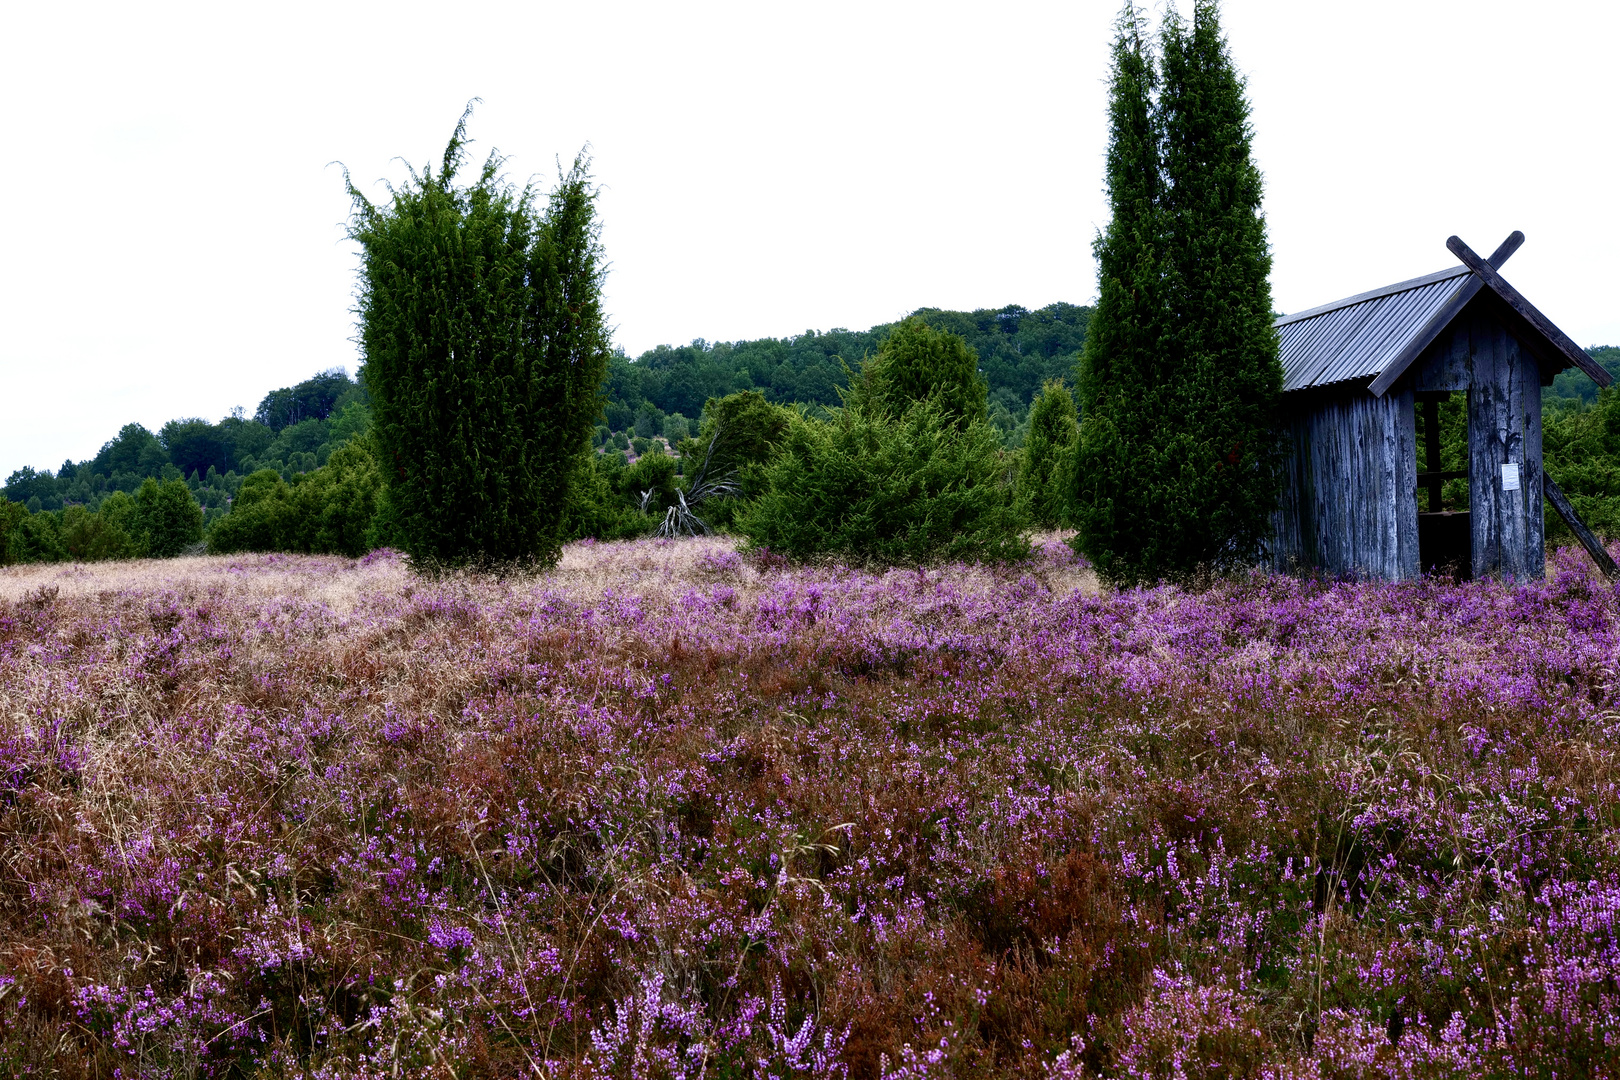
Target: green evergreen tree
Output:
{"points": [[598, 507], [341, 501], [1581, 448], [95, 535], [122, 516], [738, 435], [1177, 469], [12, 517], [917, 361], [1123, 493], [1048, 456], [260, 518], [167, 517], [39, 539], [485, 347], [1222, 345]]}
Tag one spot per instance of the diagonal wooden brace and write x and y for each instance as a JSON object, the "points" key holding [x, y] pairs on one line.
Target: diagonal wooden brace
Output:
{"points": [[1594, 547]]}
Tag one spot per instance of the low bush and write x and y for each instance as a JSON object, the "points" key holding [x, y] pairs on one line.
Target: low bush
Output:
{"points": [[333, 510], [109, 533], [916, 362], [598, 507], [169, 519], [161, 520], [904, 488]]}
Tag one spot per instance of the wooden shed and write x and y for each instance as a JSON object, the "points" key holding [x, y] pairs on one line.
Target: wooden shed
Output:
{"points": [[1356, 371]]}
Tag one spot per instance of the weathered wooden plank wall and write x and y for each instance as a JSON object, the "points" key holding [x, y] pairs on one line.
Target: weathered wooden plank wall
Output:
{"points": [[1293, 542], [1503, 381], [1349, 502]]}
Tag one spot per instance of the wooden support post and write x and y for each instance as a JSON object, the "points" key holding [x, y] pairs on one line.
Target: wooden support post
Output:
{"points": [[1431, 445], [1594, 547]]}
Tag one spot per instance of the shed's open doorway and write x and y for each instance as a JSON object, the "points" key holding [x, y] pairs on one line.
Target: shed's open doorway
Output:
{"points": [[1445, 536]]}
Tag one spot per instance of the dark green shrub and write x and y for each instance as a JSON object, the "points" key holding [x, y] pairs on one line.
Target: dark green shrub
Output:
{"points": [[915, 362], [1044, 478], [1581, 449], [485, 347], [650, 483], [892, 489], [167, 517], [738, 432], [737, 437], [122, 514], [34, 537], [94, 535], [332, 510], [76, 533], [11, 519], [597, 504], [260, 517], [340, 500], [649, 420]]}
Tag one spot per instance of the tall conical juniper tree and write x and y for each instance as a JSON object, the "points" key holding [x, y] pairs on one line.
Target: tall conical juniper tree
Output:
{"points": [[484, 346], [1177, 467], [1222, 340], [1122, 490]]}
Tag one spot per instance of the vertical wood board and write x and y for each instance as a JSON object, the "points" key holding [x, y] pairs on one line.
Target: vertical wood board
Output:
{"points": [[1504, 427], [1349, 504]]}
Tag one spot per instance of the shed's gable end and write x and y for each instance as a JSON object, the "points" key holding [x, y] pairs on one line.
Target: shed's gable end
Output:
{"points": [[1372, 338]]}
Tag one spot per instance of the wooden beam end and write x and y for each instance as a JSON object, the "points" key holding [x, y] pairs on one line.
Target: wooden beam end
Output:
{"points": [[1506, 249]]}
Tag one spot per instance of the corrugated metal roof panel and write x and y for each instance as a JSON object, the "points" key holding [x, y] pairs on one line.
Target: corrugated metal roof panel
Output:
{"points": [[1356, 338]]}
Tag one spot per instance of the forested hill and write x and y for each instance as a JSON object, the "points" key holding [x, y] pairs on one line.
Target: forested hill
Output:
{"points": [[1573, 389], [296, 428], [1018, 349]]}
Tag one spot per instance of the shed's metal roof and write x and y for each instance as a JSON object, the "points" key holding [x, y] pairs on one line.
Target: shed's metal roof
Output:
{"points": [[1357, 337]]}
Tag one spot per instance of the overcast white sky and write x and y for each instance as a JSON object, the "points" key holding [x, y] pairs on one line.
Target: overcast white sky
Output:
{"points": [[176, 244]]}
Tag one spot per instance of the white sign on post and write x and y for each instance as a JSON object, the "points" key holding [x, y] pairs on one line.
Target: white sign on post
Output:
{"points": [[1510, 477]]}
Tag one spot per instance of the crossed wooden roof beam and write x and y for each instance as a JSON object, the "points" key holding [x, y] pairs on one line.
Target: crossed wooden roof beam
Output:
{"points": [[1549, 344]]}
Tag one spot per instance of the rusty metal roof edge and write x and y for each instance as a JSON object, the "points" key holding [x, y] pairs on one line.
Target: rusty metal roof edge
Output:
{"points": [[1374, 294]]}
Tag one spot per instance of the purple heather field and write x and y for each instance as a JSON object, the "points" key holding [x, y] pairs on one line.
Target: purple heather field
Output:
{"points": [[671, 810]]}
